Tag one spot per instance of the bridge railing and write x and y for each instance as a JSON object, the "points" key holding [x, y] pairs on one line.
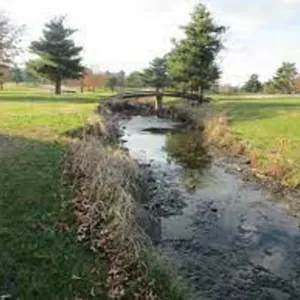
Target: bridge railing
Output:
{"points": [[145, 93]]}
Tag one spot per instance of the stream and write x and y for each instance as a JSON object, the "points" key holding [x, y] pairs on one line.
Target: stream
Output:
{"points": [[225, 237]]}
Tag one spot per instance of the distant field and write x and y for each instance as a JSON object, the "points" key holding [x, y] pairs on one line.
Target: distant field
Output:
{"points": [[270, 126], [39, 255]]}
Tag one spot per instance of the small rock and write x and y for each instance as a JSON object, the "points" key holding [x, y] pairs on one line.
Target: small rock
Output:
{"points": [[214, 209]]}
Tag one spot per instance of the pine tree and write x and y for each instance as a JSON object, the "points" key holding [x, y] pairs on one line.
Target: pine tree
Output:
{"points": [[59, 58], [253, 85], [134, 80], [157, 74], [284, 80], [192, 61]]}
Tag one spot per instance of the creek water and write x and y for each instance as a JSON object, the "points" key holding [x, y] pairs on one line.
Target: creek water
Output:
{"points": [[225, 237]]}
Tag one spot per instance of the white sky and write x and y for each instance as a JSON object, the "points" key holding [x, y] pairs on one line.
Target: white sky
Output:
{"points": [[127, 34]]}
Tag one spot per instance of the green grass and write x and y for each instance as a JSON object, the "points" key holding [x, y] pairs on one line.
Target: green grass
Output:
{"points": [[38, 258], [265, 124]]}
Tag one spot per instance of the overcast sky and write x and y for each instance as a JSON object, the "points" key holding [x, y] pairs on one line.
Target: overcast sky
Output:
{"points": [[127, 34]]}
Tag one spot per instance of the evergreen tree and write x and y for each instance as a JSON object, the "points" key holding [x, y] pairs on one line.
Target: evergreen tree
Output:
{"points": [[192, 61], [157, 74], [59, 57], [17, 74], [5, 74], [134, 80], [253, 85], [112, 81], [285, 78]]}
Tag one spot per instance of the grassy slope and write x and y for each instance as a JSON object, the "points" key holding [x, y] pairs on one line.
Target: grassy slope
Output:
{"points": [[266, 124], [39, 257]]}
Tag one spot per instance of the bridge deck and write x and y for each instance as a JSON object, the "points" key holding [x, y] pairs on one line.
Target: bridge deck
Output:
{"points": [[145, 94]]}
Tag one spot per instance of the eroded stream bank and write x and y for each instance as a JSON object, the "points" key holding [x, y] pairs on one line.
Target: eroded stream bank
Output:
{"points": [[226, 237]]}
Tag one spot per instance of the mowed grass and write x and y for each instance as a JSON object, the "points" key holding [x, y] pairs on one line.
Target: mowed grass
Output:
{"points": [[270, 126], [39, 255]]}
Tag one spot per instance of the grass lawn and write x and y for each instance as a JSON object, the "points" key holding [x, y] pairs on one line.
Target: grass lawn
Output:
{"points": [[39, 255], [268, 125]]}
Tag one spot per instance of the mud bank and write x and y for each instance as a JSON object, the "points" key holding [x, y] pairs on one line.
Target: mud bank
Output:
{"points": [[229, 239]]}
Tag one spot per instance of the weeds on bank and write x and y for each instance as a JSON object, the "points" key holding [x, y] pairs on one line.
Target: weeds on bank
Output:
{"points": [[274, 163], [106, 180]]}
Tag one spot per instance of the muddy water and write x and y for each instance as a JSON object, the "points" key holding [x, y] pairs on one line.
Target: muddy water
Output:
{"points": [[225, 237]]}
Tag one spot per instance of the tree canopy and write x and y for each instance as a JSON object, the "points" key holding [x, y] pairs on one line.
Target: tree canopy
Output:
{"points": [[253, 85], [59, 58], [193, 59], [17, 74], [112, 81], [157, 74], [284, 80], [10, 37], [134, 80]]}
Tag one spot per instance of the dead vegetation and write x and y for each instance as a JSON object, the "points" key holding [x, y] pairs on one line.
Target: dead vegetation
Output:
{"points": [[107, 209], [277, 166], [217, 133]]}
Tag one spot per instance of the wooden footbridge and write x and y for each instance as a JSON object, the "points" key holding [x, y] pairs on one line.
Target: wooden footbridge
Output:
{"points": [[158, 96]]}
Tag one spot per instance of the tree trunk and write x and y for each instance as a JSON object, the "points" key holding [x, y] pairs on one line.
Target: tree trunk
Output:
{"points": [[201, 94], [1, 85], [158, 103], [58, 87]]}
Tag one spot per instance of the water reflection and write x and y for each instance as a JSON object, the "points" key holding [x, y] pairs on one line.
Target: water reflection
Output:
{"points": [[186, 148]]}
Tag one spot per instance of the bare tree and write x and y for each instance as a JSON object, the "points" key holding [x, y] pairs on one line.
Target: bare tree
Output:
{"points": [[10, 37]]}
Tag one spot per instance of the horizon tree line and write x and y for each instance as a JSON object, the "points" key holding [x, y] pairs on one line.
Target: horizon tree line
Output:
{"points": [[190, 66]]}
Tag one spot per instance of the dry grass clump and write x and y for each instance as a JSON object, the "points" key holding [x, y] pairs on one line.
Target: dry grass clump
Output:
{"points": [[105, 180], [217, 133], [183, 111], [97, 126], [276, 163], [112, 222], [281, 167]]}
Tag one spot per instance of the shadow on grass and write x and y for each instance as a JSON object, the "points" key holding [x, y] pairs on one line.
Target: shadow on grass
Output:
{"points": [[241, 110], [39, 255]]}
